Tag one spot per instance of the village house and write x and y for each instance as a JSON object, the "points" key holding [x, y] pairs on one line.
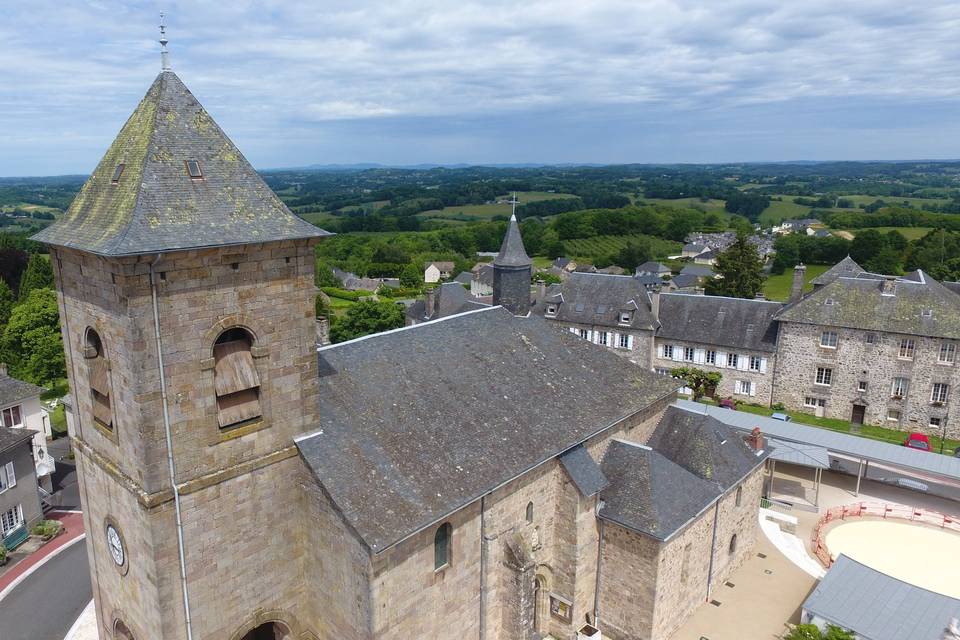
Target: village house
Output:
{"points": [[21, 408], [19, 498], [479, 475], [653, 268], [437, 271]]}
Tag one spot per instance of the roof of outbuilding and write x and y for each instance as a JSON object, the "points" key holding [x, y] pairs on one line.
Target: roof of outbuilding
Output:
{"points": [[13, 390], [10, 438], [155, 205], [464, 277], [925, 308], [450, 298], [727, 322], [583, 470], [419, 422], [512, 253], [596, 298], [684, 280], [652, 266], [698, 270], [847, 267], [650, 494], [878, 606], [705, 447]]}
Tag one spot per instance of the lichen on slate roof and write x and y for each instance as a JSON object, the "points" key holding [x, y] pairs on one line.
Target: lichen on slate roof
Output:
{"points": [[419, 422], [921, 308], [721, 321], [155, 205], [847, 267], [598, 299]]}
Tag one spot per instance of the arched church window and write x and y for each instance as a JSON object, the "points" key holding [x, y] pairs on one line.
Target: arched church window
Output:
{"points": [[739, 495], [236, 381], [733, 543], [121, 632], [98, 377], [441, 546], [529, 512]]}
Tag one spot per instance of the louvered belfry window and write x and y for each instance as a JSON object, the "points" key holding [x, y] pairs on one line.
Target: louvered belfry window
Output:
{"points": [[98, 370], [235, 378]]}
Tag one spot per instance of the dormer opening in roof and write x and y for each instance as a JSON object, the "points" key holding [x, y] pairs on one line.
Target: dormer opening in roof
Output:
{"points": [[193, 170], [117, 172]]}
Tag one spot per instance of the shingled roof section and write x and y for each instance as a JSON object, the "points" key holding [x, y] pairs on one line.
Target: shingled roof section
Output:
{"points": [[13, 390], [154, 205], [727, 322], [705, 447], [847, 267], [512, 253], [583, 470], [650, 494], [419, 422], [597, 298], [10, 438], [888, 304]]}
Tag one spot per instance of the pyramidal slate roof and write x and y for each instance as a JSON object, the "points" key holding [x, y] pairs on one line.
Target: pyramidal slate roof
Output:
{"points": [[512, 253], [847, 267], [907, 307], [154, 205], [419, 422]]}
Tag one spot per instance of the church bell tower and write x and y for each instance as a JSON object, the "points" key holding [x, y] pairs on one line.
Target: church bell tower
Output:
{"points": [[512, 270]]}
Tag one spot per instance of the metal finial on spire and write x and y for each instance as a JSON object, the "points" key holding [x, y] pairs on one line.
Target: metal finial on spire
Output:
{"points": [[514, 201], [164, 54]]}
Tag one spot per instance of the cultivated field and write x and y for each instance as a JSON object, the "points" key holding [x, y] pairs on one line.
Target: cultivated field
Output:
{"points": [[589, 248]]}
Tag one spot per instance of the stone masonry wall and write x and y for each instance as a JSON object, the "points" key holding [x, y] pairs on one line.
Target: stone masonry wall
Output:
{"points": [[639, 354], [762, 380], [855, 360]]}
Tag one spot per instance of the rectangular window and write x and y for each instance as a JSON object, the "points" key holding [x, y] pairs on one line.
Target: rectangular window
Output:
{"points": [[117, 172], [755, 363], [623, 341], [732, 360], [936, 422], [824, 376], [899, 388], [583, 333], [893, 415], [668, 351], [948, 353], [813, 402], [688, 354], [551, 310], [828, 339], [939, 392], [871, 338], [11, 519], [193, 168], [907, 346], [862, 385], [743, 388], [12, 417], [625, 317], [603, 339], [711, 357]]}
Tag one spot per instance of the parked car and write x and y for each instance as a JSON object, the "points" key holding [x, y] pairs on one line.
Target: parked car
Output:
{"points": [[918, 441], [728, 403], [956, 454], [781, 416]]}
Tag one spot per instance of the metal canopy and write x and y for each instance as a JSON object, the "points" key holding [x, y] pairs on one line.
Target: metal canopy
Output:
{"points": [[839, 443], [804, 455]]}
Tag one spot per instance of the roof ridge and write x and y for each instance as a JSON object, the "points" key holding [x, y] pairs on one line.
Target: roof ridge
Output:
{"points": [[328, 347]]}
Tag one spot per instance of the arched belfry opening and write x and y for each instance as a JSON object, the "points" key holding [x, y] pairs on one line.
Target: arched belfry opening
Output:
{"points": [[269, 631]]}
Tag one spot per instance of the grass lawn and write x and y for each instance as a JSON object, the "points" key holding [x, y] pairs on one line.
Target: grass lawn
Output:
{"points": [[910, 233], [872, 432], [470, 212], [785, 209], [542, 262], [58, 389], [58, 422], [318, 218], [778, 287]]}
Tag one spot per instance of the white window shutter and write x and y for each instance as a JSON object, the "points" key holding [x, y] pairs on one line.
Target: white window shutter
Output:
{"points": [[753, 388], [595, 337], [629, 342], [677, 353], [763, 365], [11, 475], [659, 350], [613, 340], [722, 359], [743, 362], [573, 330], [699, 356]]}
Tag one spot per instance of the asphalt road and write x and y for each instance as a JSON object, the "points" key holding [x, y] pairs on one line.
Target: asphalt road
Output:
{"points": [[66, 492], [47, 603]]}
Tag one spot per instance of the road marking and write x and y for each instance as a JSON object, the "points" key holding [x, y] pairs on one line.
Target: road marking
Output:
{"points": [[16, 581]]}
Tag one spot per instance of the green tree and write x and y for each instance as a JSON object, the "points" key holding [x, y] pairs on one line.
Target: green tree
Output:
{"points": [[411, 277], [324, 276], [634, 254], [321, 305], [31, 343], [812, 632], [6, 303], [740, 270], [37, 275], [887, 260], [366, 317], [866, 245], [702, 383]]}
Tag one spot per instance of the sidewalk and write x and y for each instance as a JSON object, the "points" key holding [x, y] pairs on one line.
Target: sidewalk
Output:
{"points": [[72, 529]]}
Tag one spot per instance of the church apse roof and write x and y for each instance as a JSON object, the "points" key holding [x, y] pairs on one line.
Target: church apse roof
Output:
{"points": [[419, 422], [173, 180]]}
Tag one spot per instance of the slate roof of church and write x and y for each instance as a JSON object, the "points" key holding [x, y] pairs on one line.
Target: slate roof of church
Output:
{"points": [[716, 320], [705, 447], [451, 298], [859, 303], [155, 205], [650, 494], [13, 390], [583, 470], [596, 298], [419, 422], [512, 253], [847, 267]]}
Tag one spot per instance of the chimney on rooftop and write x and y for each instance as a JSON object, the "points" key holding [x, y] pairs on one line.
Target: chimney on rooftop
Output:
{"points": [[655, 304], [799, 278], [889, 286], [431, 302], [541, 290], [755, 439]]}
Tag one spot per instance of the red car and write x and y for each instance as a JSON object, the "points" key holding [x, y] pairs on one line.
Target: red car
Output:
{"points": [[917, 441]]}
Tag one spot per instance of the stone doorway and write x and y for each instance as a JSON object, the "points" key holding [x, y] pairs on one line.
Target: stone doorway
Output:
{"points": [[268, 631], [540, 605], [859, 411]]}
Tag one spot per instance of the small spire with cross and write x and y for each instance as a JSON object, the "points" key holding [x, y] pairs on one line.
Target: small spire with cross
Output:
{"points": [[164, 54], [514, 202]]}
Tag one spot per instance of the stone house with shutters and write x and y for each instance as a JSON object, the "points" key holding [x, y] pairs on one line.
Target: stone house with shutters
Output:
{"points": [[20, 408], [732, 336], [19, 499], [874, 349], [443, 480]]}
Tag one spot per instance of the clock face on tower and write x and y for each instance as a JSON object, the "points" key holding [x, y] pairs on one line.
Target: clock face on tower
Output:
{"points": [[115, 544]]}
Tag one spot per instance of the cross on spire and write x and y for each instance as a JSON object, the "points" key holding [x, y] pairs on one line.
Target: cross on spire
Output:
{"points": [[164, 54], [514, 202]]}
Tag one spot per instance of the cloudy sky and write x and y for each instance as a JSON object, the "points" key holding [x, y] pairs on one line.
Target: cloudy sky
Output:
{"points": [[441, 81]]}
